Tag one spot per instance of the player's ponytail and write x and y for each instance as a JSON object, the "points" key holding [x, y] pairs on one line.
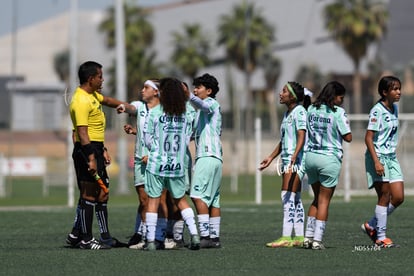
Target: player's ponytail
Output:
{"points": [[301, 93], [307, 99]]}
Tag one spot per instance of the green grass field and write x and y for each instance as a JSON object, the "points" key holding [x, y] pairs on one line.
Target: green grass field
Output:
{"points": [[33, 239]]}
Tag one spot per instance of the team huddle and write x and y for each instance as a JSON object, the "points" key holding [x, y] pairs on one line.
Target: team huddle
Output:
{"points": [[167, 118], [311, 144]]}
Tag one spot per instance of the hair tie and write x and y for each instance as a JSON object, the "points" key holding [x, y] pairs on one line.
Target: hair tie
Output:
{"points": [[307, 92], [289, 87]]}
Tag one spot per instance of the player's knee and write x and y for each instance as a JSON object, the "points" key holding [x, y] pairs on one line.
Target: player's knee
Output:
{"points": [[397, 201]]}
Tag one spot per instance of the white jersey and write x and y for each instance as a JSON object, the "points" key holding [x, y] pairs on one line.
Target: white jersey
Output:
{"points": [[292, 122], [167, 139], [142, 111], [385, 124]]}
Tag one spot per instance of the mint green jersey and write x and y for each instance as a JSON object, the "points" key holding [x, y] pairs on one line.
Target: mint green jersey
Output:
{"points": [[191, 114], [142, 111], [385, 125], [167, 139], [207, 130], [325, 130], [291, 123]]}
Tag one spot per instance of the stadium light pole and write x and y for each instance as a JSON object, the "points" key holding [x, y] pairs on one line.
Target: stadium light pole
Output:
{"points": [[11, 93], [73, 57], [121, 95]]}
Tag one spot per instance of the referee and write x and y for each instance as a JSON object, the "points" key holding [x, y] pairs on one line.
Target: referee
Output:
{"points": [[90, 158]]}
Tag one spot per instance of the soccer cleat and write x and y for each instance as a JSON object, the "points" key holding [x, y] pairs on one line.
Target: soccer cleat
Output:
{"points": [[215, 242], [281, 242], [205, 242], [170, 243], [112, 242], [180, 243], [73, 240], [386, 243], [297, 241], [93, 244], [318, 245], [194, 243], [135, 239], [139, 245], [158, 245], [307, 243], [150, 246], [370, 231]]}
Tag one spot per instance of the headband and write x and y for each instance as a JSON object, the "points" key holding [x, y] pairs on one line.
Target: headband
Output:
{"points": [[151, 83], [308, 92], [291, 90]]}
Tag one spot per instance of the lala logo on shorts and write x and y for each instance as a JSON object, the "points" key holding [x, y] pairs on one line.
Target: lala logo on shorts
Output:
{"points": [[170, 167]]}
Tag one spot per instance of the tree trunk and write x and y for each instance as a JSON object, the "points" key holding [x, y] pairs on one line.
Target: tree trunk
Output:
{"points": [[356, 85], [273, 116]]}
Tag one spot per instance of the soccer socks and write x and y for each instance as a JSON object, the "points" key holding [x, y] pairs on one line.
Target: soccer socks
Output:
{"points": [[288, 201], [137, 222], [142, 230], [390, 209], [209, 226], [373, 221], [319, 230], [86, 218], [188, 217], [151, 222], [215, 227], [381, 215], [299, 216], [101, 211], [178, 230], [310, 227], [76, 228], [204, 225], [160, 229]]}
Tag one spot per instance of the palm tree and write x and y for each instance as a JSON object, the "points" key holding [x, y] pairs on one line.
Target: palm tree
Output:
{"points": [[246, 36], [61, 65], [272, 67], [139, 36], [191, 50], [310, 77], [355, 25], [375, 69]]}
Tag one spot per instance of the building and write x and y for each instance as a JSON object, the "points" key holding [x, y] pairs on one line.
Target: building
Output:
{"points": [[300, 39]]}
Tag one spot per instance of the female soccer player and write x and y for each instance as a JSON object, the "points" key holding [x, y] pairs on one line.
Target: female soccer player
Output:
{"points": [[327, 127], [290, 147], [167, 133], [140, 109], [382, 167], [206, 182]]}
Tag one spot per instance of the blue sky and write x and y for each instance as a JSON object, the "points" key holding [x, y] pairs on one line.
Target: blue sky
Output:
{"points": [[32, 11]]}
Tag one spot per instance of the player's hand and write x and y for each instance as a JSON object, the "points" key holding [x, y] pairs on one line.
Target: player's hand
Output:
{"points": [[379, 168], [107, 158], [265, 163], [144, 159], [130, 129], [120, 108]]}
